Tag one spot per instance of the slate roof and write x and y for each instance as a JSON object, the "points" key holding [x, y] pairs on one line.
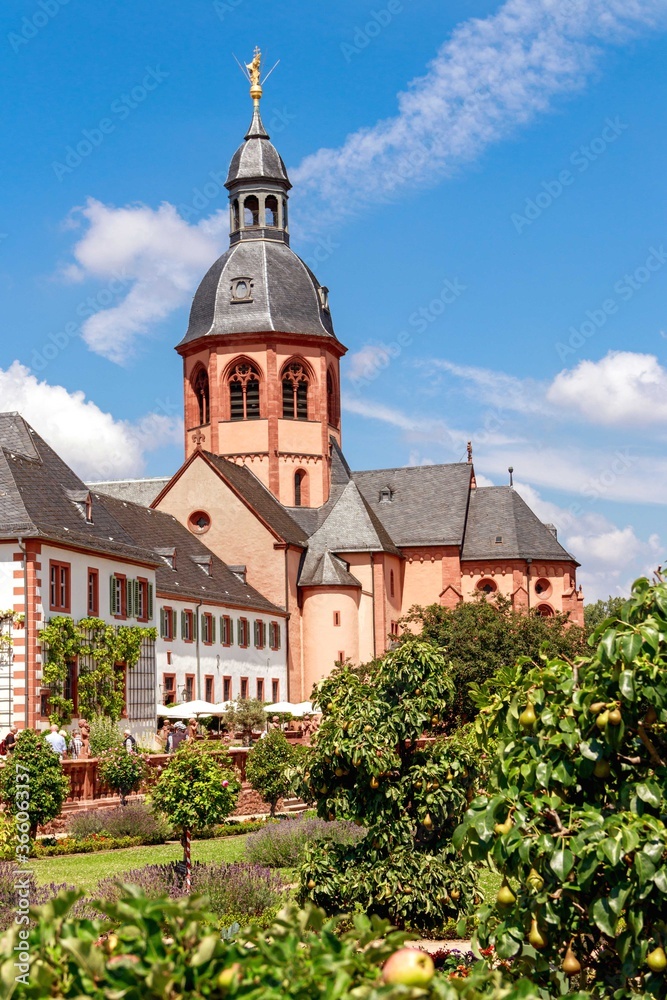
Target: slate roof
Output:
{"points": [[260, 498], [141, 491], [325, 569], [428, 502], [163, 533], [500, 511], [284, 295], [40, 496], [257, 158]]}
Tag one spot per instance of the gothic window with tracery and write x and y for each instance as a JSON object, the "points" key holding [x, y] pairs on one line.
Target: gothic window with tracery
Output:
{"points": [[201, 391], [295, 392], [244, 392]]}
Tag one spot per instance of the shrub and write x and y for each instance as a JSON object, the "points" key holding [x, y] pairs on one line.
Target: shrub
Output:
{"points": [[282, 845], [122, 770], [32, 781], [164, 944], [574, 814], [96, 842], [268, 762], [133, 820], [369, 764], [13, 905], [104, 735], [238, 891], [82, 825]]}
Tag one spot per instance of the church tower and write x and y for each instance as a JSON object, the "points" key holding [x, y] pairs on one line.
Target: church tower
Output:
{"points": [[260, 356]]}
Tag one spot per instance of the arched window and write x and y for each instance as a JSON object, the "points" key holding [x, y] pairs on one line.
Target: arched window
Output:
{"points": [[200, 388], [235, 214], [284, 213], [295, 392], [251, 211], [333, 414], [392, 584], [299, 487], [487, 586], [544, 611], [244, 392], [271, 210]]}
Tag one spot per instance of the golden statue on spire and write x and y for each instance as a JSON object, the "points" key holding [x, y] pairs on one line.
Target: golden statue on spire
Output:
{"points": [[254, 74]]}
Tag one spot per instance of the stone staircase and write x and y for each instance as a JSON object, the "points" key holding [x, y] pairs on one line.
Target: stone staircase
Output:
{"points": [[294, 807]]}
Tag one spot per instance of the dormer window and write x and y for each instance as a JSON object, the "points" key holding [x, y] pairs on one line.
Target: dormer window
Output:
{"points": [[323, 293], [386, 495], [169, 556], [499, 539], [83, 501], [204, 563]]}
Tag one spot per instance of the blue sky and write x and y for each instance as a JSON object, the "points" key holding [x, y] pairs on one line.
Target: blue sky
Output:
{"points": [[482, 188]]}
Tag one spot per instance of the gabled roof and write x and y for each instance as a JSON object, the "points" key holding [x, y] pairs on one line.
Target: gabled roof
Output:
{"points": [[189, 577], [259, 498], [499, 512], [324, 569], [426, 505], [142, 491], [40, 496]]}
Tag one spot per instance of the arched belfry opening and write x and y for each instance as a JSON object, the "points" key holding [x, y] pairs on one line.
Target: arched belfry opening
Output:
{"points": [[243, 383], [200, 387], [295, 380]]}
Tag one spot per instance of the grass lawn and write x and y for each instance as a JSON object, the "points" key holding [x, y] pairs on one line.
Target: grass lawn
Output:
{"points": [[85, 870]]}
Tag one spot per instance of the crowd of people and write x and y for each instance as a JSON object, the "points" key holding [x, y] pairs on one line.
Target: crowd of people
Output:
{"points": [[68, 746]]}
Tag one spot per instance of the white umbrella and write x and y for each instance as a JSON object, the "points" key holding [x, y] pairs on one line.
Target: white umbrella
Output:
{"points": [[297, 710], [189, 709]]}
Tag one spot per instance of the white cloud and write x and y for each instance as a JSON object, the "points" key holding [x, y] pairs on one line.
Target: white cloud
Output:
{"points": [[158, 251], [94, 444], [623, 388], [493, 75], [432, 429], [367, 363], [506, 392]]}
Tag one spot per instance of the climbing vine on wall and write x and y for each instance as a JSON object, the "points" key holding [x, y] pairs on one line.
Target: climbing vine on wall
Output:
{"points": [[7, 619], [98, 649]]}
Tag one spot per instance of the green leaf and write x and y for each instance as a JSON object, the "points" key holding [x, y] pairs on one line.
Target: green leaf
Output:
{"points": [[613, 850], [626, 683], [561, 863], [649, 793], [603, 917], [644, 866]]}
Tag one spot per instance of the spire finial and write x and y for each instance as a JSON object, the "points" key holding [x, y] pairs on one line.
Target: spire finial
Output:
{"points": [[469, 448], [254, 75]]}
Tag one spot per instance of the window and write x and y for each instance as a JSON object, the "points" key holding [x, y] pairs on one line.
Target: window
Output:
{"points": [[189, 688], [60, 586], [260, 689], [201, 391], [499, 539], [275, 691], [392, 584], [274, 635], [394, 628], [295, 392], [544, 611], [336, 618], [341, 656], [93, 593], [207, 628], [244, 392], [199, 522], [543, 587], [251, 210], [271, 210], [244, 687], [167, 624], [142, 600], [284, 213], [333, 414], [209, 684], [226, 637], [235, 214], [385, 495], [169, 688], [71, 686], [44, 704], [118, 596], [300, 481], [487, 586], [188, 624], [260, 634], [226, 689], [244, 632]]}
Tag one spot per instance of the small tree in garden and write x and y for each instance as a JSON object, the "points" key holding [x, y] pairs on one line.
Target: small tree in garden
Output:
{"points": [[575, 812], [368, 764], [267, 766], [32, 780], [245, 715], [122, 771], [197, 789], [104, 735]]}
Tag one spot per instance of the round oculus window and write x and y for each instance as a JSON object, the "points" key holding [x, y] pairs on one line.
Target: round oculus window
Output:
{"points": [[199, 522]]}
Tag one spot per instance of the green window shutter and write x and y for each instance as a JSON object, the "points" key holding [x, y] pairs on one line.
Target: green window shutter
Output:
{"points": [[112, 595], [129, 598], [182, 624], [278, 635], [149, 590], [194, 626], [173, 624], [163, 623], [136, 599], [212, 635]]}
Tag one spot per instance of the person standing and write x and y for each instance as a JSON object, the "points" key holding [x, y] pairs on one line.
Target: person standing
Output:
{"points": [[56, 741], [10, 740], [129, 741], [192, 729], [176, 737], [76, 745]]}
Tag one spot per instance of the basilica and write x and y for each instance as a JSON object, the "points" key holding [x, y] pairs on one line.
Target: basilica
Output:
{"points": [[340, 555]]}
